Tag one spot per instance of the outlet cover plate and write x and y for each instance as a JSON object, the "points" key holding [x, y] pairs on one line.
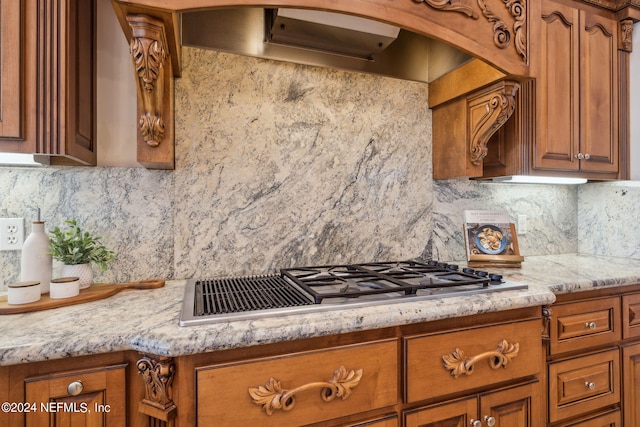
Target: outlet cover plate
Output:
{"points": [[11, 234]]}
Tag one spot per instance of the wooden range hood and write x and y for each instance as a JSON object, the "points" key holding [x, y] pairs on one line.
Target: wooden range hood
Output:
{"points": [[497, 33]]}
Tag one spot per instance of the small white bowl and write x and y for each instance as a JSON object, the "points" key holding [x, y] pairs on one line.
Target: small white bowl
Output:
{"points": [[23, 292], [64, 287]]}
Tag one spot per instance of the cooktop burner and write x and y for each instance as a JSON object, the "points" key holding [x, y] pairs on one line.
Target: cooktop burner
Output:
{"points": [[321, 288], [407, 277]]}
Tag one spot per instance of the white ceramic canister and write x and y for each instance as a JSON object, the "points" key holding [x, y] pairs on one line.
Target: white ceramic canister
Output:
{"points": [[23, 292], [64, 287], [36, 261]]}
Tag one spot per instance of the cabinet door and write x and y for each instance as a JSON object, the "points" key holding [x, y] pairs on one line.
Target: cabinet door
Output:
{"points": [[48, 79], [452, 414], [631, 384], [94, 398], [11, 53], [598, 93], [557, 110], [67, 91], [514, 407], [17, 77], [577, 100]]}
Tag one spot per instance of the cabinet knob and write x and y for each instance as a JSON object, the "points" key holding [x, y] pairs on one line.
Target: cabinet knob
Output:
{"points": [[587, 156], [476, 423], [491, 421], [580, 156], [591, 325], [590, 385], [75, 388]]}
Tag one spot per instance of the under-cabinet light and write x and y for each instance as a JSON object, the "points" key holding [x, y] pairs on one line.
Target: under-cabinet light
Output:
{"points": [[16, 159], [539, 179]]}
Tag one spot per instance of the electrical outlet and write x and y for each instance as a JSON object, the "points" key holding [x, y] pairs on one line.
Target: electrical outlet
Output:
{"points": [[11, 234]]}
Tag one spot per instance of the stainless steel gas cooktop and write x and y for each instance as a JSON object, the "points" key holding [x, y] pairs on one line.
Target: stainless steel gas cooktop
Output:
{"points": [[323, 288]]}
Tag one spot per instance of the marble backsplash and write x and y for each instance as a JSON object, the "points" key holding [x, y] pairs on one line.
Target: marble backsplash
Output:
{"points": [[609, 219], [280, 165]]}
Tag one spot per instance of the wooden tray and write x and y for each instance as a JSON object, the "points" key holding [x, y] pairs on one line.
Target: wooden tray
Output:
{"points": [[95, 292]]}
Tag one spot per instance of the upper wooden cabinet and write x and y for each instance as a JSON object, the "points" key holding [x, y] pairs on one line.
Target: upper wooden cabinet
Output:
{"points": [[572, 118], [578, 89], [48, 79]]}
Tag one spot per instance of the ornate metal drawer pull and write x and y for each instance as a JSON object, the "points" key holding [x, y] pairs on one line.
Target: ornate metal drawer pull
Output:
{"points": [[272, 396], [458, 364]]}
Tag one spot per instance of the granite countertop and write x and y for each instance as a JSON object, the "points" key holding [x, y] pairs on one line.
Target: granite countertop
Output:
{"points": [[147, 320]]}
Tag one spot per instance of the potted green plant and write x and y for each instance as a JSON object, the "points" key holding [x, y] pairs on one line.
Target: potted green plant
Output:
{"points": [[77, 250]]}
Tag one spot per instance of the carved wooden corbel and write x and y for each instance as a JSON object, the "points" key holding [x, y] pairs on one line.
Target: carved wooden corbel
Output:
{"points": [[157, 374], [626, 35], [154, 81], [487, 111]]}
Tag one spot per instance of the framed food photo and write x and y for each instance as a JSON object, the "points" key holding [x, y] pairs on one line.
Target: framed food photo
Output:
{"points": [[491, 239]]}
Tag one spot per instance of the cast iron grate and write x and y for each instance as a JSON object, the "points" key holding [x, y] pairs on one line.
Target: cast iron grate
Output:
{"points": [[240, 294]]}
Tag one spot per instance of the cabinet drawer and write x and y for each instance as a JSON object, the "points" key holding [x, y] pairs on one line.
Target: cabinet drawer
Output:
{"points": [[296, 389], [583, 384], [631, 316], [388, 421], [585, 324], [515, 348], [610, 419]]}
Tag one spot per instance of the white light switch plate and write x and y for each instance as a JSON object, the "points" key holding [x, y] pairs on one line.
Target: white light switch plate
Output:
{"points": [[521, 226]]}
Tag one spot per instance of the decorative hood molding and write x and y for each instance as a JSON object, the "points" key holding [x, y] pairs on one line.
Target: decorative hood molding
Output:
{"points": [[497, 32]]}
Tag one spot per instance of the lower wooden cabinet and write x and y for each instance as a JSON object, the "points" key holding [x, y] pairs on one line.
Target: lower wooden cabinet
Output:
{"points": [[93, 397], [593, 359], [511, 407]]}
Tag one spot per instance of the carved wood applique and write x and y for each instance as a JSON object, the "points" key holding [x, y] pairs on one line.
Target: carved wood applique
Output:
{"points": [[450, 6], [488, 110], [148, 48], [157, 374], [502, 36]]}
